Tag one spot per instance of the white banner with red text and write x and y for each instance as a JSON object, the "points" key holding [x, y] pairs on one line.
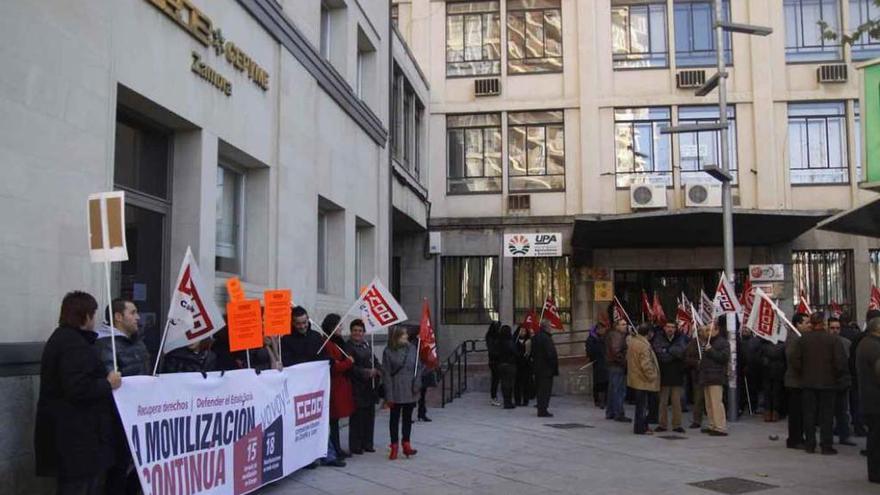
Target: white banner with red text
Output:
{"points": [[224, 434]]}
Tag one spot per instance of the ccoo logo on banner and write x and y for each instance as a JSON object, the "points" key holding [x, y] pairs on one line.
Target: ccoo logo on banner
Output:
{"points": [[227, 434]]}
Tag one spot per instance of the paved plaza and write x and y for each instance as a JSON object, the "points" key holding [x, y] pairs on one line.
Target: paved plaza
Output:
{"points": [[473, 448]]}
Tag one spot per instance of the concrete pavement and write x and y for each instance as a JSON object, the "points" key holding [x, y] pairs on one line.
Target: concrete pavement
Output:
{"points": [[474, 448]]}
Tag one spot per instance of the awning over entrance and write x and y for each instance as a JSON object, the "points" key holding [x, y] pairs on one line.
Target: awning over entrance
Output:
{"points": [[691, 228], [863, 220]]}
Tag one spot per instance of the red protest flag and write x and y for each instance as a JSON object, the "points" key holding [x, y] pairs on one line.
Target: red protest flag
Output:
{"points": [[530, 322], [619, 313], [683, 318], [835, 309], [874, 301], [659, 314], [551, 313], [803, 305], [427, 339], [744, 297], [647, 310]]}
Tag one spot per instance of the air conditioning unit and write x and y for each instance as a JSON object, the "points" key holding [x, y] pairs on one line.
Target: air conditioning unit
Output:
{"points": [[487, 87], [519, 202], [832, 73], [702, 195], [644, 196], [690, 79]]}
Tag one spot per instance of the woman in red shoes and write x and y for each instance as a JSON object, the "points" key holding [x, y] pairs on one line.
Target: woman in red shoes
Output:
{"points": [[402, 377]]}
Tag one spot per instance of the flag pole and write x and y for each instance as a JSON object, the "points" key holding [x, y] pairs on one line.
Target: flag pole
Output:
{"points": [[327, 337], [541, 318], [358, 300], [372, 361], [110, 314], [418, 351], [161, 348], [248, 354]]}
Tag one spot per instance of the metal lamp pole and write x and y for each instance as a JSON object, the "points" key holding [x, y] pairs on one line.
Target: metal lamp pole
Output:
{"points": [[722, 173]]}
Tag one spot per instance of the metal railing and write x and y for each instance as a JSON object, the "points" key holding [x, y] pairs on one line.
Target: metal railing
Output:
{"points": [[454, 370]]}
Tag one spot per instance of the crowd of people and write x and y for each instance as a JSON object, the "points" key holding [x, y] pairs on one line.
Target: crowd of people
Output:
{"points": [[79, 438]]}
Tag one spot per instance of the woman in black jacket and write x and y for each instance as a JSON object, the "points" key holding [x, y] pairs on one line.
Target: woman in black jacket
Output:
{"points": [[773, 372], [506, 358], [73, 438], [523, 390], [491, 341]]}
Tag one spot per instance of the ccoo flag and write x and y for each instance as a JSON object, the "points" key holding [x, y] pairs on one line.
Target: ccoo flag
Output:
{"points": [[530, 322], [725, 297], [193, 315], [378, 307], [551, 313]]}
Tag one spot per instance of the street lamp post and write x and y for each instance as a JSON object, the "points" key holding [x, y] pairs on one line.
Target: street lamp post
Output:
{"points": [[722, 173]]}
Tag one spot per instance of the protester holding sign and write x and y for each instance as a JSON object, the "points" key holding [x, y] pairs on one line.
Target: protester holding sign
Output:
{"points": [[402, 377], [303, 343], [793, 385], [713, 376], [72, 440], [615, 357], [365, 380]]}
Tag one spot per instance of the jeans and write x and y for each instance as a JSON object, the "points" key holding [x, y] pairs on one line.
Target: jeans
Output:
{"points": [[616, 393], [334, 435], [818, 412], [640, 419], [398, 410]]}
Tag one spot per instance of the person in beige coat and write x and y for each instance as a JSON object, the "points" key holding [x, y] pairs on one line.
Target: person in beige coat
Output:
{"points": [[642, 375]]}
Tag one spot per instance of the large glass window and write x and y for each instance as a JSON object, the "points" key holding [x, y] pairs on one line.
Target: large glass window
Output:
{"points": [[141, 158], [643, 155], [470, 290], [817, 143], [473, 38], [473, 153], [694, 33], [803, 35], [824, 276], [536, 151], [860, 12], [321, 264], [536, 278], [534, 36], [638, 34], [698, 149], [230, 199]]}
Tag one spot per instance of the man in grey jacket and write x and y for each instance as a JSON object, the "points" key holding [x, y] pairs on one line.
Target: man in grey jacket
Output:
{"points": [[132, 356], [792, 383]]}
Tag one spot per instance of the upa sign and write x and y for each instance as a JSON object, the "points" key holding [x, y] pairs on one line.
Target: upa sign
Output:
{"points": [[533, 245]]}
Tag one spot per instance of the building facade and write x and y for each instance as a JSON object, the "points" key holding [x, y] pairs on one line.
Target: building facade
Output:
{"points": [[256, 132], [552, 112]]}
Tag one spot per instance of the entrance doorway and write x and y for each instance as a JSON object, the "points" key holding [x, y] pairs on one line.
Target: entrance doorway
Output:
{"points": [[669, 285]]}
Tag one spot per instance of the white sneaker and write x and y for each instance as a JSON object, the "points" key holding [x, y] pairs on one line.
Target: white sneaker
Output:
{"points": [[495, 403]]}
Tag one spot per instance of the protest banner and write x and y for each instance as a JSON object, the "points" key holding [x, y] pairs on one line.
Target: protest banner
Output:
{"points": [[224, 434], [276, 312], [245, 325], [234, 289]]}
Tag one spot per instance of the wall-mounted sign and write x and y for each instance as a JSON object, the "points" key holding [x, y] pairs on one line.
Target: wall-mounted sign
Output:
{"points": [[603, 290], [533, 245], [199, 26], [766, 273]]}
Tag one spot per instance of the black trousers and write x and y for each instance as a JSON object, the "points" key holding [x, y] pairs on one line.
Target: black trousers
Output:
{"points": [[423, 408], [600, 393], [543, 389], [494, 380], [640, 420], [795, 417], [773, 395], [397, 411], [872, 421], [841, 414], [86, 485], [523, 388], [818, 412], [855, 408], [360, 428], [507, 375], [653, 407]]}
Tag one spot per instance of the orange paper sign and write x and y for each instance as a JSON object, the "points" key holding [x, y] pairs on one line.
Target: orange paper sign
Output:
{"points": [[277, 313], [235, 290], [245, 325]]}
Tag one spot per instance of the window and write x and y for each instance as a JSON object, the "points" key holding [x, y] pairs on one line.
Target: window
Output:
{"points": [[874, 255], [470, 290], [803, 36], [644, 156], [857, 128], [824, 276], [638, 34], [473, 153], [397, 122], [695, 35], [141, 158], [536, 278], [395, 15], [322, 251], [364, 255], [326, 24], [860, 12], [406, 124], [534, 36], [698, 149], [365, 77], [417, 139], [230, 199], [536, 151], [473, 38], [817, 143]]}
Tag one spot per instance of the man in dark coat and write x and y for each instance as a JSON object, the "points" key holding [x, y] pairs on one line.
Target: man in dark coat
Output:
{"points": [[615, 357], [491, 337], [73, 438], [821, 363], [365, 380], [792, 382], [868, 368], [841, 396], [855, 335], [595, 347], [753, 378], [772, 361], [546, 365], [302, 345], [669, 347], [524, 389]]}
